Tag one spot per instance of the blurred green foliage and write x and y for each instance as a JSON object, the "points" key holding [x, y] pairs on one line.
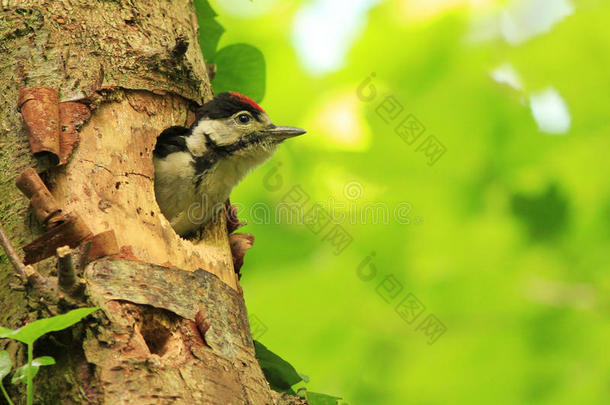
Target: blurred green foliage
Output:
{"points": [[508, 232], [239, 67]]}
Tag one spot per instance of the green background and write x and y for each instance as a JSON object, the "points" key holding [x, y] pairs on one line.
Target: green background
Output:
{"points": [[508, 233]]}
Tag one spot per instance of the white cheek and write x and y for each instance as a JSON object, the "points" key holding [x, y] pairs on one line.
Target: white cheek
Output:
{"points": [[222, 132]]}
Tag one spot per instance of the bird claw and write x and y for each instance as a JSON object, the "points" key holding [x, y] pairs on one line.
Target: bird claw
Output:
{"points": [[233, 222], [239, 243]]}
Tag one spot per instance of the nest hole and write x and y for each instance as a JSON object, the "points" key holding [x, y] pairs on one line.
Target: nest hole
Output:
{"points": [[156, 336]]}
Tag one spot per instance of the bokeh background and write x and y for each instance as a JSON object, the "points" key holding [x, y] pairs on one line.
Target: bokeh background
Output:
{"points": [[503, 238]]}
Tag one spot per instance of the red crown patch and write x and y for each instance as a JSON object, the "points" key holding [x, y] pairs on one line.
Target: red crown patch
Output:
{"points": [[247, 100]]}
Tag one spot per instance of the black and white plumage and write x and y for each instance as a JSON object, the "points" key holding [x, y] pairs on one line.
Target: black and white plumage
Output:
{"points": [[196, 168]]}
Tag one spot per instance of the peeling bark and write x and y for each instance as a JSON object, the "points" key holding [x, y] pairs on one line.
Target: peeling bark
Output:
{"points": [[173, 326], [160, 338]]}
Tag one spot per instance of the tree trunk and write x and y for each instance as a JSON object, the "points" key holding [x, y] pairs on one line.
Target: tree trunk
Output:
{"points": [[173, 326]]}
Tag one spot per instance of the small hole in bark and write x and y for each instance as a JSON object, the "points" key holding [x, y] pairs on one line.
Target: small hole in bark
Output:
{"points": [[46, 159], [156, 336], [117, 185]]}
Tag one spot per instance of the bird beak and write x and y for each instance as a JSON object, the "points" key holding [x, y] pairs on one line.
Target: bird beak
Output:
{"points": [[281, 133]]}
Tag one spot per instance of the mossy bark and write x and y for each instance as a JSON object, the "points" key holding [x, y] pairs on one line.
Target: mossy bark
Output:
{"points": [[138, 66]]}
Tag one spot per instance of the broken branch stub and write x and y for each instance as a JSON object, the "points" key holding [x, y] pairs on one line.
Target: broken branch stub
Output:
{"points": [[66, 273], [71, 232], [45, 207], [62, 228]]}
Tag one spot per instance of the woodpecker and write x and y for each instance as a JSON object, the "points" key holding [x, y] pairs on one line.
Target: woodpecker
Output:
{"points": [[196, 168]]}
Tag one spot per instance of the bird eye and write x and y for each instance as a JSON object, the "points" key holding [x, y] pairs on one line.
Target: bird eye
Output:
{"points": [[243, 118]]}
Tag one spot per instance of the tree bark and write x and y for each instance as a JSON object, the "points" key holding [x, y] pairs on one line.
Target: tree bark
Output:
{"points": [[173, 326]]}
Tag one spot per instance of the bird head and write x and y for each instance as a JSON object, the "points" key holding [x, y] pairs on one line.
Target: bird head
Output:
{"points": [[233, 124]]}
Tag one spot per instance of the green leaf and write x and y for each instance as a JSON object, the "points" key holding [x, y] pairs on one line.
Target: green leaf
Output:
{"points": [[315, 398], [21, 376], [210, 30], [43, 361], [240, 68], [278, 372], [5, 331], [5, 364], [33, 330]]}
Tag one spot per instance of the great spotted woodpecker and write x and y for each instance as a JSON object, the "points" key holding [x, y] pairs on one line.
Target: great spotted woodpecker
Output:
{"points": [[196, 168]]}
